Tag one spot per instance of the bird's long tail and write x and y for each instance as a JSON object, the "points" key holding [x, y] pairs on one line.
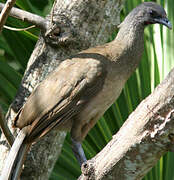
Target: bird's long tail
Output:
{"points": [[13, 164]]}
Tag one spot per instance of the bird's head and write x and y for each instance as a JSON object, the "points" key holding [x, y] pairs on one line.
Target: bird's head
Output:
{"points": [[148, 13], [154, 13]]}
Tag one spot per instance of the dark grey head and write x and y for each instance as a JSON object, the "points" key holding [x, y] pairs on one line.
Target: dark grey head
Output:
{"points": [[148, 13]]}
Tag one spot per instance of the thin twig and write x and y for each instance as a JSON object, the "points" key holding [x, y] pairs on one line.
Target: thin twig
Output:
{"points": [[19, 29], [6, 131], [5, 12], [34, 19]]}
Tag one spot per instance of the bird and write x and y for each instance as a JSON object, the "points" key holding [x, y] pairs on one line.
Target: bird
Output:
{"points": [[78, 92]]}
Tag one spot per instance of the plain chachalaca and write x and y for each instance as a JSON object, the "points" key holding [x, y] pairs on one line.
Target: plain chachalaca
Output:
{"points": [[78, 92]]}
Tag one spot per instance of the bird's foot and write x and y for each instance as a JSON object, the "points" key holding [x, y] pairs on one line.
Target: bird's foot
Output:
{"points": [[78, 152]]}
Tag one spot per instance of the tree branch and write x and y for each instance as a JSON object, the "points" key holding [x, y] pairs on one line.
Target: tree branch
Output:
{"points": [[5, 12], [39, 21], [49, 29], [147, 134]]}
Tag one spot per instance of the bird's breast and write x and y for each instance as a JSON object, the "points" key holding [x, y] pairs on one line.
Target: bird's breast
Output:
{"points": [[110, 91]]}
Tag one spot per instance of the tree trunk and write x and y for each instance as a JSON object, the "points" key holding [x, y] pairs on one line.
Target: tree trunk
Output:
{"points": [[91, 23]]}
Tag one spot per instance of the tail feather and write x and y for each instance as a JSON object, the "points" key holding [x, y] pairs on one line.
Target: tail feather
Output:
{"points": [[15, 159]]}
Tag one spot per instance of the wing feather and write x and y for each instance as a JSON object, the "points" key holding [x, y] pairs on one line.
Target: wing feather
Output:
{"points": [[61, 95]]}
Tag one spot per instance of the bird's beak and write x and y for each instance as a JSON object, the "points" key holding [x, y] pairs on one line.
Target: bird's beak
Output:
{"points": [[164, 21]]}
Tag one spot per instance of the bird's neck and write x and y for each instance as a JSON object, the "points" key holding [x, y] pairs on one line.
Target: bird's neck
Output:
{"points": [[130, 33], [131, 40]]}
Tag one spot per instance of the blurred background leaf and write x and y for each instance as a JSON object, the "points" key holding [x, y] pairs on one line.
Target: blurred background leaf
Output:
{"points": [[157, 61]]}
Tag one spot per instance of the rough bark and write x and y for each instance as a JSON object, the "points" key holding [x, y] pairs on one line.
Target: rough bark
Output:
{"points": [[91, 23], [146, 135]]}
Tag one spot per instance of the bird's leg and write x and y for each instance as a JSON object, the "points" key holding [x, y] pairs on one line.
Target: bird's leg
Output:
{"points": [[78, 151]]}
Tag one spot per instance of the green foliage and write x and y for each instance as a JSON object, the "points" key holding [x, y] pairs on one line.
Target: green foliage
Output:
{"points": [[157, 61]]}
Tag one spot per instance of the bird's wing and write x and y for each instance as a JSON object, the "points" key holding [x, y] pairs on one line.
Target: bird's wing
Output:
{"points": [[61, 95]]}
